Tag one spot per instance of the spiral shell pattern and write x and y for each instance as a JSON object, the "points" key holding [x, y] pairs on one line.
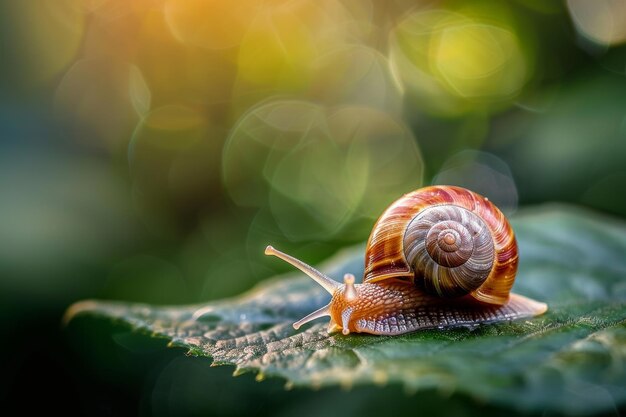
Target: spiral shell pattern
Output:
{"points": [[450, 250], [448, 240]]}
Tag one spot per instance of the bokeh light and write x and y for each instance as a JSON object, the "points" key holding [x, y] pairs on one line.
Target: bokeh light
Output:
{"points": [[493, 66], [100, 101], [602, 21], [47, 37], [456, 63], [279, 52], [484, 173], [355, 74], [211, 24], [319, 168]]}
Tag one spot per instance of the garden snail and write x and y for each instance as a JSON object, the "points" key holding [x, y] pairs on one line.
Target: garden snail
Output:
{"points": [[438, 257]]}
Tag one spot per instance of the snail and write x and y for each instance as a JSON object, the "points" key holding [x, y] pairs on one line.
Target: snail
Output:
{"points": [[438, 257]]}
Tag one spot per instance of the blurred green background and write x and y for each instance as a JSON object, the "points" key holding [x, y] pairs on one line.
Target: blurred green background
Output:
{"points": [[150, 149]]}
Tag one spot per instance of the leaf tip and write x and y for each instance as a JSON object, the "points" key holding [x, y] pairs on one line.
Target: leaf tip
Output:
{"points": [[78, 308]]}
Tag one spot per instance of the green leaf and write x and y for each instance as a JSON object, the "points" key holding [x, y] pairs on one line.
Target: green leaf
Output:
{"points": [[572, 359]]}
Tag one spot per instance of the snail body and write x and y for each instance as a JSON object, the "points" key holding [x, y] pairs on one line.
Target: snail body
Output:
{"points": [[438, 257]]}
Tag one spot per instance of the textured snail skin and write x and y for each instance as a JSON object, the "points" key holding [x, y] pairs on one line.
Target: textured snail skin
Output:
{"points": [[399, 307], [438, 257]]}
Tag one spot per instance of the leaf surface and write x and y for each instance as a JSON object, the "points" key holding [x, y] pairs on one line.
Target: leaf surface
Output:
{"points": [[572, 359]]}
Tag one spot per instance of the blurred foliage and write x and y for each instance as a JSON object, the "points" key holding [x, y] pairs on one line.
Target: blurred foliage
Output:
{"points": [[164, 143], [568, 360]]}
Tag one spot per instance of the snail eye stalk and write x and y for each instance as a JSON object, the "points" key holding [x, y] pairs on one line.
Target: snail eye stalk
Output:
{"points": [[325, 281]]}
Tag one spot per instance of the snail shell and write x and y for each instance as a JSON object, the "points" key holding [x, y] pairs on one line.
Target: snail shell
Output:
{"points": [[441, 256], [447, 240]]}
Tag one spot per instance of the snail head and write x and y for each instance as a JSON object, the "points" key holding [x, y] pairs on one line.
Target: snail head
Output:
{"points": [[344, 296]]}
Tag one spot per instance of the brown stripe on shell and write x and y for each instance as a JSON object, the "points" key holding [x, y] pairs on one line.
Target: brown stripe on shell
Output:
{"points": [[385, 257]]}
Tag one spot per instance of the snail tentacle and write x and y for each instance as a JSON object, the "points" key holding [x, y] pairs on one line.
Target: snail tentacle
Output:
{"points": [[349, 290], [325, 281], [322, 312]]}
